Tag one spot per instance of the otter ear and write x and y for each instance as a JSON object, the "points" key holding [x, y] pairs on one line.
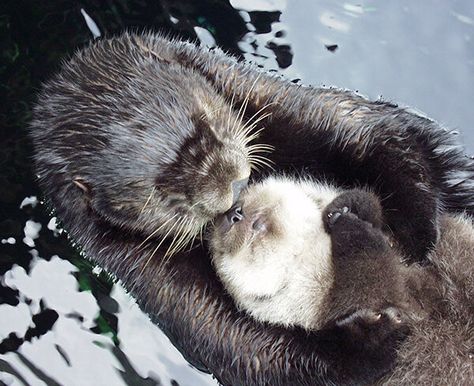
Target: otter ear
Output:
{"points": [[83, 185]]}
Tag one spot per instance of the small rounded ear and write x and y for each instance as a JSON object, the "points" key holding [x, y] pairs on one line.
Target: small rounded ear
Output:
{"points": [[87, 194], [83, 185]]}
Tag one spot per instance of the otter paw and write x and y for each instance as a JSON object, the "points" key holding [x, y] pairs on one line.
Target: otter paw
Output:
{"points": [[371, 328], [364, 204], [340, 217], [334, 215]]}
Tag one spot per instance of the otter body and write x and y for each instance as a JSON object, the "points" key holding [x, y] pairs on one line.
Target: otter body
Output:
{"points": [[360, 284], [114, 184], [440, 348]]}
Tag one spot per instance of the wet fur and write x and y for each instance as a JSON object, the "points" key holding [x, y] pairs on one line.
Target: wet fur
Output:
{"points": [[325, 131], [440, 348]]}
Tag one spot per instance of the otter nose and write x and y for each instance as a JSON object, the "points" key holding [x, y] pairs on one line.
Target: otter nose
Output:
{"points": [[237, 187], [234, 214]]}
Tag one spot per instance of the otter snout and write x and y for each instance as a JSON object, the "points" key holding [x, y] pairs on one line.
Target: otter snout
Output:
{"points": [[237, 187], [235, 214], [231, 217]]}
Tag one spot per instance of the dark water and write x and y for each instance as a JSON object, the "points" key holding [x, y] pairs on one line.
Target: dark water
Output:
{"points": [[62, 320]]}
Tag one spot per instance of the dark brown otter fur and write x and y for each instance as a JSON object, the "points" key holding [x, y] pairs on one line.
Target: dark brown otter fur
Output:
{"points": [[375, 293], [409, 159], [361, 290], [440, 348]]}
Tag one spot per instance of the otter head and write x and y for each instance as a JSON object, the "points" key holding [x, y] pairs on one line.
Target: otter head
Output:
{"points": [[261, 249], [170, 175]]}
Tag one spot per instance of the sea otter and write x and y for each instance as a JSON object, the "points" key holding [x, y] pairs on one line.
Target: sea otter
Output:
{"points": [[288, 256], [103, 181]]}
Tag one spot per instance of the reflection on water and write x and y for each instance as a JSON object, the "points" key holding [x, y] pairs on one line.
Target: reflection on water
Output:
{"points": [[419, 54], [63, 320], [69, 338]]}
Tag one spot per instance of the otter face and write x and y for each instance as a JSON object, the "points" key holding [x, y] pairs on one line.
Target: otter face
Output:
{"points": [[273, 244], [180, 194], [177, 173]]}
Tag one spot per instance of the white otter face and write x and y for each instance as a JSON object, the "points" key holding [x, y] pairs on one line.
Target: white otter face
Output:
{"points": [[273, 254]]}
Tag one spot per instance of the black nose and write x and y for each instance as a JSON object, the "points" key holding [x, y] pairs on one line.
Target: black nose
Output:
{"points": [[237, 187], [235, 214]]}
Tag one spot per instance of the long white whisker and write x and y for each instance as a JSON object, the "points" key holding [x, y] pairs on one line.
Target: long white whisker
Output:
{"points": [[244, 104], [249, 121], [177, 237], [157, 230], [148, 200], [157, 247]]}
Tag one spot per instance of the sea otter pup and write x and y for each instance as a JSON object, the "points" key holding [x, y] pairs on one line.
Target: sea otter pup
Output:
{"points": [[305, 253], [288, 256], [104, 183]]}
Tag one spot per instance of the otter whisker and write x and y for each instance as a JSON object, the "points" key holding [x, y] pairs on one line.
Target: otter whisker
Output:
{"points": [[166, 235], [191, 242], [254, 116], [260, 148], [183, 234], [186, 236], [244, 132], [148, 200], [201, 233], [253, 120], [231, 108], [156, 249], [257, 160], [256, 157], [211, 112], [183, 241], [243, 106], [256, 153], [238, 120], [156, 231], [254, 166], [177, 236], [254, 135]]}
